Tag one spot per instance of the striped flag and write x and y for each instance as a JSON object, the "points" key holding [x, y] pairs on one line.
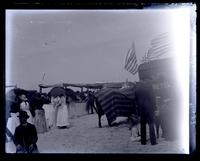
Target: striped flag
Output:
{"points": [[131, 61], [160, 46]]}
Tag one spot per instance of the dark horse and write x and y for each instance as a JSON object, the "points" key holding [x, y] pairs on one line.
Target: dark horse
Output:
{"points": [[98, 109], [118, 105]]}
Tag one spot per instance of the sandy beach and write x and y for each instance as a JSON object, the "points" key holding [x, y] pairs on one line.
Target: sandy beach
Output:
{"points": [[84, 136]]}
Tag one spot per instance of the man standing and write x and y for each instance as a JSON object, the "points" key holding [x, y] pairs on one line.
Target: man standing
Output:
{"points": [[25, 136], [145, 99], [90, 102]]}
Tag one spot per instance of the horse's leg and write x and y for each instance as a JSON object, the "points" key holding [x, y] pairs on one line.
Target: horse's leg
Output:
{"points": [[99, 116], [157, 123]]}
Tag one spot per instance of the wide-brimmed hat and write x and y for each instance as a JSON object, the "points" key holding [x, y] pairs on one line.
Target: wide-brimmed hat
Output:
{"points": [[23, 114], [19, 91]]}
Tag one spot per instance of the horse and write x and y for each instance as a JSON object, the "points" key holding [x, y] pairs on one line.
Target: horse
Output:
{"points": [[113, 103]]}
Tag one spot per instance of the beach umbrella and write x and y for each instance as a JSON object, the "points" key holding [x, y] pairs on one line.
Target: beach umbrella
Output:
{"points": [[57, 91]]}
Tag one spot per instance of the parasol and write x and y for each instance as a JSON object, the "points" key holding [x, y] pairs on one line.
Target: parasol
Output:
{"points": [[57, 91]]}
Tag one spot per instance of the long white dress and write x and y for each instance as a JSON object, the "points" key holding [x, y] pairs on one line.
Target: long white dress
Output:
{"points": [[56, 116], [62, 116], [50, 115], [24, 106], [40, 121]]}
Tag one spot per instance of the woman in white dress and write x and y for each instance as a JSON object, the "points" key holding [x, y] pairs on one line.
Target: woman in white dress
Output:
{"points": [[56, 113], [61, 111]]}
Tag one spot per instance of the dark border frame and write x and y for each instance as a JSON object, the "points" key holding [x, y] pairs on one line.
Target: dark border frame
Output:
{"points": [[74, 4]]}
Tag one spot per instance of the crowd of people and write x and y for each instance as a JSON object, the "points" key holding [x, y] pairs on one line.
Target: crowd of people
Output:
{"points": [[24, 122], [41, 119], [44, 112]]}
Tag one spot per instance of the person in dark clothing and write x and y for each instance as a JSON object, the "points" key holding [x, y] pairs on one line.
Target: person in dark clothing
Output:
{"points": [[145, 99], [90, 103], [25, 136]]}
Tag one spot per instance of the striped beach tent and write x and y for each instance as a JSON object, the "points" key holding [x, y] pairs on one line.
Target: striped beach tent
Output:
{"points": [[116, 102]]}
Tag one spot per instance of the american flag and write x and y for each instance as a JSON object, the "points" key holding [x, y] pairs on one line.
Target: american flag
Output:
{"points": [[160, 46], [131, 61]]}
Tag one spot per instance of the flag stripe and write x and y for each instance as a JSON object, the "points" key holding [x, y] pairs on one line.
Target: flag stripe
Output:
{"points": [[130, 57], [127, 58], [132, 63], [159, 46], [134, 69], [158, 51], [159, 40], [131, 60]]}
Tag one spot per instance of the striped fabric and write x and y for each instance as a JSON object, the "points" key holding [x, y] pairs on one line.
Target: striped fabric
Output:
{"points": [[160, 46], [131, 61], [116, 102]]}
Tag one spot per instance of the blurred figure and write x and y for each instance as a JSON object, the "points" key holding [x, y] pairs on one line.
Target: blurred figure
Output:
{"points": [[169, 109], [62, 119], [145, 100], [90, 102], [12, 123], [13, 120], [135, 129], [39, 121], [25, 136], [82, 96], [24, 106]]}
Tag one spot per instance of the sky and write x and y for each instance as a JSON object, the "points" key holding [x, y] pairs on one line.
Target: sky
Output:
{"points": [[80, 46]]}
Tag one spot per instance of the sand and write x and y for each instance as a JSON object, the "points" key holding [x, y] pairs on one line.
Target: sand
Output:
{"points": [[84, 136]]}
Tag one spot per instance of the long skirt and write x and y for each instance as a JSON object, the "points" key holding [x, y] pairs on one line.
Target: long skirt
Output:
{"points": [[39, 121], [10, 147], [62, 116], [12, 123], [50, 115]]}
